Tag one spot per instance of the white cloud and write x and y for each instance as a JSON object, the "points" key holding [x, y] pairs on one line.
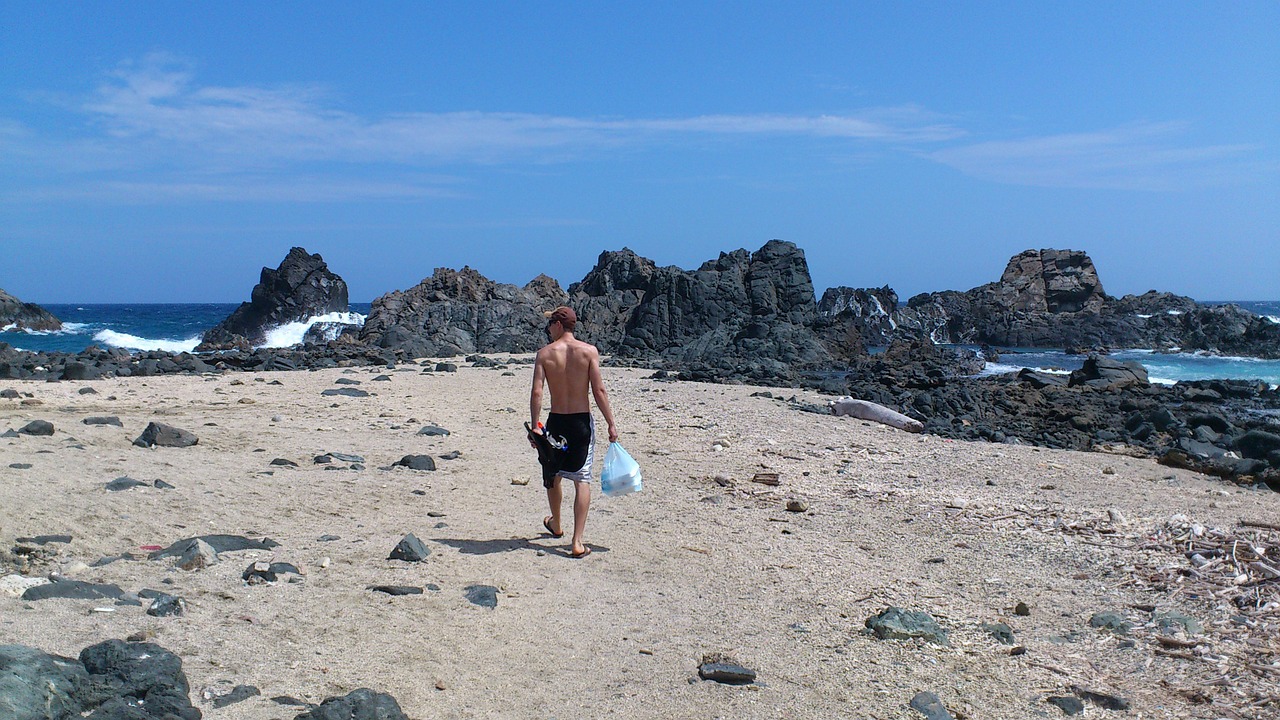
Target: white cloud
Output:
{"points": [[1143, 156]]}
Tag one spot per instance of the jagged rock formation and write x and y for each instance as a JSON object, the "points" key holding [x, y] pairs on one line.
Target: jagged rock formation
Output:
{"points": [[742, 315], [1049, 298], [25, 316], [456, 312], [301, 288]]}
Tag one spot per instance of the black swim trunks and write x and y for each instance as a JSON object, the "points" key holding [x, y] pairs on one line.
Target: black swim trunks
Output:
{"points": [[577, 430]]}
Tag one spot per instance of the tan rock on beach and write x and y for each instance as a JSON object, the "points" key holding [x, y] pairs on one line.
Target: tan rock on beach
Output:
{"points": [[704, 563]]}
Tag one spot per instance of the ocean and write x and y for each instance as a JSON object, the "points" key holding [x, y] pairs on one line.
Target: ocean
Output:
{"points": [[178, 327]]}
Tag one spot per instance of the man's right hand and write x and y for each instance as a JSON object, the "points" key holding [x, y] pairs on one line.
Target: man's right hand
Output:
{"points": [[613, 433]]}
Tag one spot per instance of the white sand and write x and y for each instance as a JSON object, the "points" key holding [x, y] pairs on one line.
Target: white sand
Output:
{"points": [[684, 568]]}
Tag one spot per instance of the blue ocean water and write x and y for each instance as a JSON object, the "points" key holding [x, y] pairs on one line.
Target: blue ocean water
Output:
{"points": [[178, 327], [169, 327]]}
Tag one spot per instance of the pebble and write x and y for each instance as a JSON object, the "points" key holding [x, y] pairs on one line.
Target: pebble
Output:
{"points": [[410, 549], [928, 704], [797, 506], [1021, 609], [482, 595], [520, 481], [725, 670]]}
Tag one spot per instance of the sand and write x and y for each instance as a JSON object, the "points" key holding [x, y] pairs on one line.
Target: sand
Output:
{"points": [[689, 566]]}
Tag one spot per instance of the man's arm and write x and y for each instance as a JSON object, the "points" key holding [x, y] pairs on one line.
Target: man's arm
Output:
{"points": [[535, 393], [602, 396]]}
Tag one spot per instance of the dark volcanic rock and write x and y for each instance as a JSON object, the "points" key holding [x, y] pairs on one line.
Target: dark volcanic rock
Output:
{"points": [[741, 316], [25, 316], [73, 590], [361, 704], [103, 420], [726, 670], [346, 391], [928, 704], [37, 427], [219, 543], [38, 686], [396, 590], [898, 624], [1049, 298], [458, 312], [144, 676], [410, 549], [159, 434], [1104, 373], [482, 595], [416, 462], [301, 288]]}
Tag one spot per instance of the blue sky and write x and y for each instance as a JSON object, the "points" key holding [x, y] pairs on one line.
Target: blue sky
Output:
{"points": [[165, 152]]}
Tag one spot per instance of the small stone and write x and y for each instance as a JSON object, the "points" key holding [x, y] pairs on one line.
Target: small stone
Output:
{"points": [[1021, 609], [277, 418], [328, 538], [1102, 700], [1111, 622], [166, 606], [103, 420], [928, 704], [24, 466], [451, 455], [283, 462], [347, 381], [123, 483], [324, 562], [410, 549], [344, 457], [440, 685], [1002, 633], [416, 462], [898, 624], [162, 485], [1172, 621], [1108, 470], [322, 459], [1067, 704], [197, 555], [246, 401], [347, 392], [482, 595], [37, 428], [87, 391], [159, 434], [520, 481], [797, 506], [433, 431], [396, 590], [725, 670]]}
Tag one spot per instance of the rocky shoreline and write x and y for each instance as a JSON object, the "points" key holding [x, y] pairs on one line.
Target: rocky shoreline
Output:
{"points": [[752, 318]]}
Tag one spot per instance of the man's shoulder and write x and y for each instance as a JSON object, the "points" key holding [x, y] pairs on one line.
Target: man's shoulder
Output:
{"points": [[586, 347]]}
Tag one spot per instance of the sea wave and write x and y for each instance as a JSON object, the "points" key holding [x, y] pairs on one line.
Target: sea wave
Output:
{"points": [[111, 338], [69, 328], [1002, 368], [290, 334]]}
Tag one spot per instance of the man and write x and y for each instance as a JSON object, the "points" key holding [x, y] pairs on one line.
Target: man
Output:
{"points": [[569, 367]]}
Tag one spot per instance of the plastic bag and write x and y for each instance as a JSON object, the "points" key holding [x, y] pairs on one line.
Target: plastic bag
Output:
{"points": [[621, 474]]}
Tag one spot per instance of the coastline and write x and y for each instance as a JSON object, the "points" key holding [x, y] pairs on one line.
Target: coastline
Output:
{"points": [[687, 567]]}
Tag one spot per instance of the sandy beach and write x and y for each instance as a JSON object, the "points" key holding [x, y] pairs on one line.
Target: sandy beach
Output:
{"points": [[704, 560]]}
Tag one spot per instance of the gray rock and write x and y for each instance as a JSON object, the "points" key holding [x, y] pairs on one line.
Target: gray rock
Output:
{"points": [[73, 590], [9, 394], [20, 466], [396, 589], [347, 381], [344, 457], [1103, 700], [1172, 621], [133, 672], [446, 367], [410, 549], [162, 485], [482, 595], [898, 624], [161, 435], [300, 288], [37, 686], [416, 462], [44, 539], [123, 483], [1111, 622], [219, 543], [361, 704], [37, 427], [283, 462], [928, 704], [268, 572], [433, 430], [382, 378], [726, 670], [348, 392], [239, 693], [1067, 704], [165, 605], [1002, 633], [198, 554], [451, 455], [25, 316], [103, 420]]}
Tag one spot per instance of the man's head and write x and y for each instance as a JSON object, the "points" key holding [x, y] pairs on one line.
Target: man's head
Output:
{"points": [[563, 315]]}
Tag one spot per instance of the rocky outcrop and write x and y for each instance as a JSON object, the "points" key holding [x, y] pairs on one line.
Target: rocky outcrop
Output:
{"points": [[112, 679], [457, 312], [18, 315], [743, 315], [302, 287], [1048, 298]]}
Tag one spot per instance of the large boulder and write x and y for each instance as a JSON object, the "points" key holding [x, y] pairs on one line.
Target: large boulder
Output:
{"points": [[25, 316], [741, 315], [301, 288], [458, 312]]}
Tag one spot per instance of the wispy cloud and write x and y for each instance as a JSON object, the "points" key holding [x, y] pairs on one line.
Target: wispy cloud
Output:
{"points": [[1143, 156], [153, 117]]}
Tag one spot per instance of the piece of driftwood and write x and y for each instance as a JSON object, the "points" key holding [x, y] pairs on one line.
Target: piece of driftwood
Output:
{"points": [[766, 478]]}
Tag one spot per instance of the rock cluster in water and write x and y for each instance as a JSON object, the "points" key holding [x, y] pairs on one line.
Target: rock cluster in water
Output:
{"points": [[1049, 298], [302, 287], [25, 316]]}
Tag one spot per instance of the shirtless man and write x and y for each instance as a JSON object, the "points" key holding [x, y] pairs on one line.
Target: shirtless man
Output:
{"points": [[569, 367]]}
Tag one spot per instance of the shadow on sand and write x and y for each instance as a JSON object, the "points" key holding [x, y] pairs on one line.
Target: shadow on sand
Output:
{"points": [[488, 547]]}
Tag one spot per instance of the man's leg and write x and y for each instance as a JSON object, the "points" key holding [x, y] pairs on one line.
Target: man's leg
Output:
{"points": [[555, 495], [581, 503]]}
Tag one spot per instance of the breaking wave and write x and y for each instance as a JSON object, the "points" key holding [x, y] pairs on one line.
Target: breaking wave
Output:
{"points": [[290, 334], [111, 338]]}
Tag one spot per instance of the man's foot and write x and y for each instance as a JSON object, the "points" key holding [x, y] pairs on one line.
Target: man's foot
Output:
{"points": [[546, 523], [578, 555]]}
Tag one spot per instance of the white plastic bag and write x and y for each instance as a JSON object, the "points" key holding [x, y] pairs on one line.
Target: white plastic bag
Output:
{"points": [[621, 474]]}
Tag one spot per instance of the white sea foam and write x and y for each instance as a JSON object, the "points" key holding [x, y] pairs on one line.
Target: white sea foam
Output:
{"points": [[111, 338], [1272, 318], [69, 328], [1002, 368], [291, 334], [1174, 312], [1144, 316]]}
